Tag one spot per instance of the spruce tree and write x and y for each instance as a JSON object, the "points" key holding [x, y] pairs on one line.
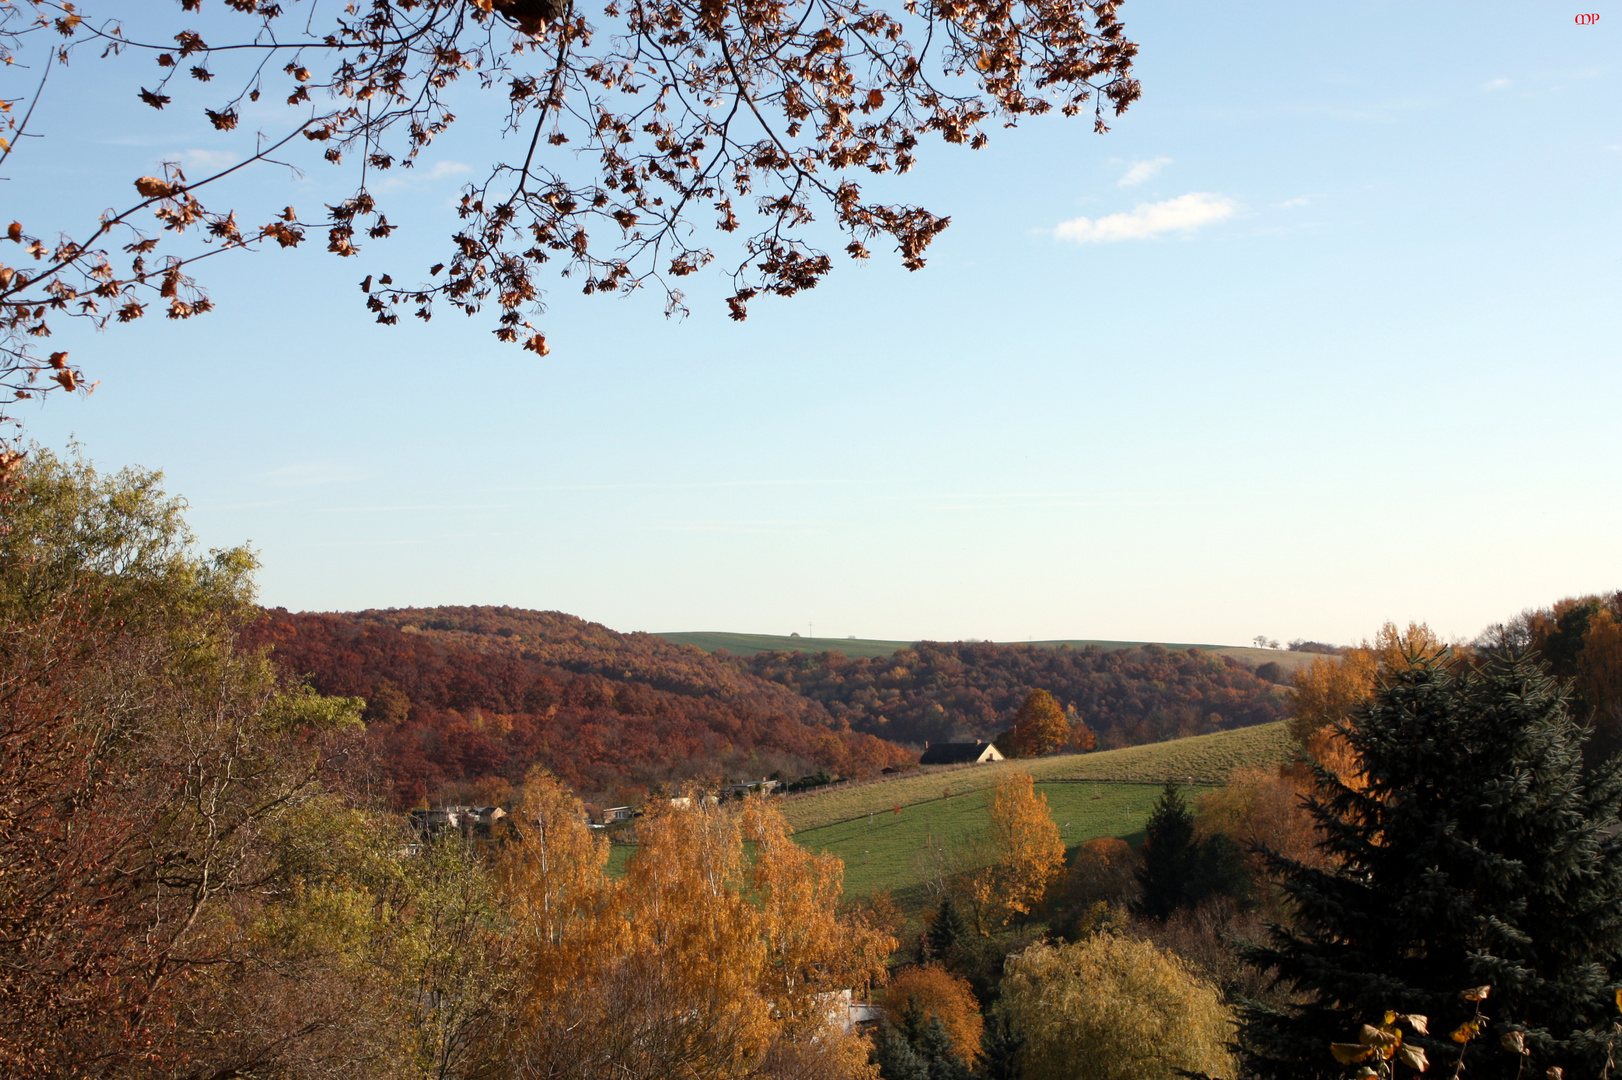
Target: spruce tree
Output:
{"points": [[1170, 857], [1474, 852], [1002, 1043], [945, 932], [916, 1047]]}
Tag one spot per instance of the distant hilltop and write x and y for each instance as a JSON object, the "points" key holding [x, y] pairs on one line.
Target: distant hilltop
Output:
{"points": [[751, 644]]}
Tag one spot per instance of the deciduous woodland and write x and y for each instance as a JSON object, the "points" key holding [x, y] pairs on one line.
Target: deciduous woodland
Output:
{"points": [[206, 870], [463, 701]]}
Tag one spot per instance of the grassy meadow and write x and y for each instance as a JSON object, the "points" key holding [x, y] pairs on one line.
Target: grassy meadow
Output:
{"points": [[1201, 759], [904, 851], [899, 833]]}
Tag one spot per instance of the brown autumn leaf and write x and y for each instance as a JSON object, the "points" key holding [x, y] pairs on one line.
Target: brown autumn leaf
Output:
{"points": [[1413, 1057], [153, 188], [1349, 1053]]}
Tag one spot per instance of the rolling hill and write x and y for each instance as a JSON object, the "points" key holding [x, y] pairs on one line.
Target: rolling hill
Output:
{"points": [[751, 644]]}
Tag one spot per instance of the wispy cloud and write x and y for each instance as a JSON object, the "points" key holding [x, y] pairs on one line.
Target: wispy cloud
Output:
{"points": [[443, 169], [202, 161], [1182, 214], [1139, 171], [755, 527], [1495, 84], [1299, 200], [309, 474]]}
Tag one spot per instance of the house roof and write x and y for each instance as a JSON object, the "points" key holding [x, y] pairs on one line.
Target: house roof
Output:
{"points": [[953, 753]]}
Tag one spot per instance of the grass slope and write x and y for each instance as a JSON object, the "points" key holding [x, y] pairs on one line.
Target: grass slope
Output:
{"points": [[750, 644], [942, 812], [901, 852], [1202, 759]]}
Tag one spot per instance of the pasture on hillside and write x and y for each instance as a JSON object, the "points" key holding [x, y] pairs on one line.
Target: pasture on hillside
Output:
{"points": [[943, 811], [1201, 759], [908, 852]]}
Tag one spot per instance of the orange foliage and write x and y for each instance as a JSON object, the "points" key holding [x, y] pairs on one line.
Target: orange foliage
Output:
{"points": [[462, 702], [1330, 689], [938, 994], [1026, 853], [697, 963], [1039, 726]]}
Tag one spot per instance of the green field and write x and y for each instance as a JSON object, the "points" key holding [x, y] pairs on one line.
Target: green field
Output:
{"points": [[897, 851], [1089, 795], [750, 644], [1202, 759]]}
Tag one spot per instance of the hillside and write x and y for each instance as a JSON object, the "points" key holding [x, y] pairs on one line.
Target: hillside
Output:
{"points": [[751, 644], [900, 834], [943, 691], [462, 702], [1201, 759]]}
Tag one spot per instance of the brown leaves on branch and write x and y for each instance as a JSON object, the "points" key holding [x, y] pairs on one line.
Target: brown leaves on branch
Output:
{"points": [[767, 109]]}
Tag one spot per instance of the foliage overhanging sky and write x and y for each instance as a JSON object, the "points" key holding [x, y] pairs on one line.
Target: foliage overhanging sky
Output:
{"points": [[1323, 333]]}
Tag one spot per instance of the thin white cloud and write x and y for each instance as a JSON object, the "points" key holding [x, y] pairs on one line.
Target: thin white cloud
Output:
{"points": [[309, 474], [1182, 214], [443, 169], [1139, 171], [1299, 200], [208, 161], [1495, 84]]}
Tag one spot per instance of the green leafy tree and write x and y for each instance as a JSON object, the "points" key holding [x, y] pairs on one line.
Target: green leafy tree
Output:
{"points": [[1478, 854], [184, 888]]}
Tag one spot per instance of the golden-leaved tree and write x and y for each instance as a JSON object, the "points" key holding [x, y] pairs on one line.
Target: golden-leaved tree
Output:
{"points": [[698, 963], [1114, 1008], [1328, 692], [1040, 726], [1026, 854], [647, 130]]}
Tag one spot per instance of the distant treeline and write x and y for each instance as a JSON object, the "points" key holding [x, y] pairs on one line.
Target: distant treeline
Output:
{"points": [[462, 702], [938, 691]]}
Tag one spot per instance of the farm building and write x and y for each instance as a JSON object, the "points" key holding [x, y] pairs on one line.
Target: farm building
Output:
{"points": [[960, 753]]}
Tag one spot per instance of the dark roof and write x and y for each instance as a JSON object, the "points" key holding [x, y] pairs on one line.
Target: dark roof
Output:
{"points": [[953, 753]]}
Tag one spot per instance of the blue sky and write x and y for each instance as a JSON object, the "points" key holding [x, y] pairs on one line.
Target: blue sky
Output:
{"points": [[1325, 332]]}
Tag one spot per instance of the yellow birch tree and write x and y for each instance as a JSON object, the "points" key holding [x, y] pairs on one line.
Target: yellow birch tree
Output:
{"points": [[1027, 854]]}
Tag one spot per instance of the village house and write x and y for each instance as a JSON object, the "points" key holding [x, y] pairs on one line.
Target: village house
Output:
{"points": [[960, 753]]}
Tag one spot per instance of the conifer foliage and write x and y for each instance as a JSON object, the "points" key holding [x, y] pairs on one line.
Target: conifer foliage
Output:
{"points": [[1478, 854]]}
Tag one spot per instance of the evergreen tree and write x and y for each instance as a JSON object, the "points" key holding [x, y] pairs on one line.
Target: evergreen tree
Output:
{"points": [[915, 1047], [945, 932], [1003, 1042], [896, 1059], [1220, 871], [1477, 854], [1170, 856]]}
